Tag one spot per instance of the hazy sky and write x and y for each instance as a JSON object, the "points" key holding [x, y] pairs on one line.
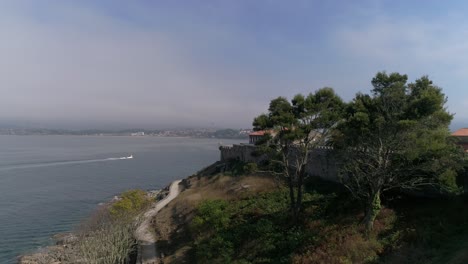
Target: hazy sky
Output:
{"points": [[154, 64]]}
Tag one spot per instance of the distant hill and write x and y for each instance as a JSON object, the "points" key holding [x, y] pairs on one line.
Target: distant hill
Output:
{"points": [[186, 132]]}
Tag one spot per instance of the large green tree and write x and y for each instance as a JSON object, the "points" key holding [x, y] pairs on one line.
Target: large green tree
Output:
{"points": [[396, 138], [293, 129]]}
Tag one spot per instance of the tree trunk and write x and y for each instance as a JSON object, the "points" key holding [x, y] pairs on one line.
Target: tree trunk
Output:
{"points": [[300, 182], [372, 210], [292, 198]]}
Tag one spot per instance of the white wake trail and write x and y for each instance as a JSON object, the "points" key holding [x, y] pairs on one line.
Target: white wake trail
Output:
{"points": [[57, 163]]}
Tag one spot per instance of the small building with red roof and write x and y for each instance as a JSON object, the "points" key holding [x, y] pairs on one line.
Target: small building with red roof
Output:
{"points": [[462, 135], [256, 136]]}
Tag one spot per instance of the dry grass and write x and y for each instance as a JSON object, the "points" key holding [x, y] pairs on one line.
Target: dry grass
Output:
{"points": [[170, 222], [226, 187], [343, 240]]}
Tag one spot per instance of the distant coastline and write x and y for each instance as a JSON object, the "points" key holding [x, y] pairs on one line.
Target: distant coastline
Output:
{"points": [[184, 133]]}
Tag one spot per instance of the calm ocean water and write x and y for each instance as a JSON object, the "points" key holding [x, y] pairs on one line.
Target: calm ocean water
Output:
{"points": [[48, 184]]}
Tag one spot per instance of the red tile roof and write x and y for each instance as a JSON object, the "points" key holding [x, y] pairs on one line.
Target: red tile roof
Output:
{"points": [[257, 133], [461, 133]]}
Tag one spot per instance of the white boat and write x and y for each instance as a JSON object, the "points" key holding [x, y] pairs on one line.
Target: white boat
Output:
{"points": [[129, 157]]}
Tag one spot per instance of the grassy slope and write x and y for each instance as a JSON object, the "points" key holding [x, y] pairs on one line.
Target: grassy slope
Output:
{"points": [[172, 223], [254, 227]]}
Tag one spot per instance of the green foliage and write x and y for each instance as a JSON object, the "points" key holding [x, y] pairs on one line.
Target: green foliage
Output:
{"points": [[212, 215], [251, 230], [448, 180], [250, 168], [262, 204], [238, 168], [215, 250], [130, 203], [294, 128], [397, 138], [257, 229]]}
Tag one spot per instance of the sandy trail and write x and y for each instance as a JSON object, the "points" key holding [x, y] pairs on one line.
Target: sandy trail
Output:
{"points": [[146, 239]]}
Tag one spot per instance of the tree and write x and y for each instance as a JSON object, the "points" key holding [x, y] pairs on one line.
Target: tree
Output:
{"points": [[293, 129], [396, 138]]}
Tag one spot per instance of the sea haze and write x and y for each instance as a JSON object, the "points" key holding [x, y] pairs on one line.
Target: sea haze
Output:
{"points": [[48, 184]]}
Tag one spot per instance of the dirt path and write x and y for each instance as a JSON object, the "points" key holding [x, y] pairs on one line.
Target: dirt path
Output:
{"points": [[146, 239]]}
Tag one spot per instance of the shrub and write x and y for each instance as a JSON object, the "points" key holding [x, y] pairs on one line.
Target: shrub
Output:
{"points": [[215, 250], [112, 243], [343, 246], [210, 215], [250, 168], [251, 230], [130, 203]]}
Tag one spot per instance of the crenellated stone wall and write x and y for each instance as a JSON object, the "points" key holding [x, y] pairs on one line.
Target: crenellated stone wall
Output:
{"points": [[242, 152], [321, 163]]}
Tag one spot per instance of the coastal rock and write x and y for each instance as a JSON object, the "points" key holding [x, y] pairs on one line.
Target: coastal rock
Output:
{"points": [[48, 255], [65, 238], [153, 193]]}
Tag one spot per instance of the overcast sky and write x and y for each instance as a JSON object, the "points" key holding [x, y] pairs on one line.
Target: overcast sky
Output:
{"points": [[156, 64]]}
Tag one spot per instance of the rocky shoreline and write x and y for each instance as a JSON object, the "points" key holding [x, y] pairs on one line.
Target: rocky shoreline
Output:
{"points": [[65, 242]]}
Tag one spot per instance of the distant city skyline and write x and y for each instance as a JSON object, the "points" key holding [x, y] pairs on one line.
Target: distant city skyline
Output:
{"points": [[115, 64]]}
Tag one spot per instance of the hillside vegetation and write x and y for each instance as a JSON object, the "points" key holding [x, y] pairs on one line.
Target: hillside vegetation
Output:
{"points": [[245, 219], [106, 237]]}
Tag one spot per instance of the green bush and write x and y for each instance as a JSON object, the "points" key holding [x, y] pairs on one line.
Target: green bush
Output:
{"points": [[210, 215], [237, 167], [130, 203], [215, 250], [250, 168], [256, 227]]}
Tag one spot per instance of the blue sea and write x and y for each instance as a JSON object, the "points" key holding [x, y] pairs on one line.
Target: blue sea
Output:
{"points": [[48, 184]]}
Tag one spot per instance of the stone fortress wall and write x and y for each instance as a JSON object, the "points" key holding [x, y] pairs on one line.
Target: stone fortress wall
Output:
{"points": [[321, 160]]}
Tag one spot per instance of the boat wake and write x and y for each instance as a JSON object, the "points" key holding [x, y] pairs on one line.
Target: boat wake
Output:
{"points": [[58, 163]]}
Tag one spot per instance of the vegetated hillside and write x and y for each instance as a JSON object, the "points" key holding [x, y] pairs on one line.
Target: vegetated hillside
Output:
{"points": [[107, 236], [229, 133], [173, 223], [245, 219]]}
